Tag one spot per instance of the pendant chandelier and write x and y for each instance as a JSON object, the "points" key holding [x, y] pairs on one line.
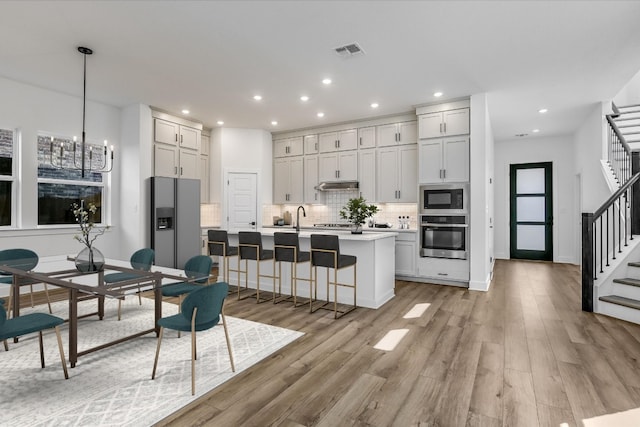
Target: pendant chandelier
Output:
{"points": [[84, 158]]}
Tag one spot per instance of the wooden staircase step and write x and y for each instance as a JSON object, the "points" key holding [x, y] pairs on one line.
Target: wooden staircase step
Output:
{"points": [[626, 302], [628, 281]]}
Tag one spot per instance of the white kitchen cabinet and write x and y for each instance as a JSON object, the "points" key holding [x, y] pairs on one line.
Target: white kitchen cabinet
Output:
{"points": [[397, 173], [205, 144], [367, 137], [444, 160], [338, 141], [367, 174], [288, 180], [340, 166], [310, 144], [288, 147], [204, 179], [311, 195], [166, 132], [397, 134], [443, 269], [444, 123], [406, 254], [174, 162]]}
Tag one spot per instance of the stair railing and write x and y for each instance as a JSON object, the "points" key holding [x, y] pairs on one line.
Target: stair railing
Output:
{"points": [[607, 230]]}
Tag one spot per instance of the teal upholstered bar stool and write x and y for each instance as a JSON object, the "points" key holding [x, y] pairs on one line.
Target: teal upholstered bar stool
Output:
{"points": [[250, 249], [325, 252], [286, 248]]}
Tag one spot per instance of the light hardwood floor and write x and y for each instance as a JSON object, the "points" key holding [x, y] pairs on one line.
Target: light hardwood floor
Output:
{"points": [[522, 354]]}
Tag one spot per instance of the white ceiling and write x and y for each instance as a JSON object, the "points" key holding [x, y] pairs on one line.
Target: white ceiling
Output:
{"points": [[213, 56]]}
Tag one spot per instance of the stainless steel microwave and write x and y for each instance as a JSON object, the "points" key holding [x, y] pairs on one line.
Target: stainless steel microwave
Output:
{"points": [[444, 199]]}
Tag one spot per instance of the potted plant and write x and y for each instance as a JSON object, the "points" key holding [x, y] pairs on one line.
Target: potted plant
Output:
{"points": [[356, 211]]}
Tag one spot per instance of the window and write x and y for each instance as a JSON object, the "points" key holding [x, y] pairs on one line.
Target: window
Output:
{"points": [[6, 176], [58, 188]]}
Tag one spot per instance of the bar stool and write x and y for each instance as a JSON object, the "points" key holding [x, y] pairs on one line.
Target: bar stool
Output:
{"points": [[250, 248], [286, 247], [325, 252], [219, 246]]}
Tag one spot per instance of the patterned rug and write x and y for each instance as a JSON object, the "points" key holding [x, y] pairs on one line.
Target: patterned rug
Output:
{"points": [[113, 386]]}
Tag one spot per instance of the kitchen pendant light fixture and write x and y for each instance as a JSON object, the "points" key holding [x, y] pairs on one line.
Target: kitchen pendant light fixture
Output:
{"points": [[86, 162]]}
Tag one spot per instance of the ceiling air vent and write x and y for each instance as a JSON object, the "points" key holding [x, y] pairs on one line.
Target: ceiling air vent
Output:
{"points": [[349, 50]]}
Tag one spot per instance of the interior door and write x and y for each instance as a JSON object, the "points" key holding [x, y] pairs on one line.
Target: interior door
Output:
{"points": [[531, 211], [242, 201]]}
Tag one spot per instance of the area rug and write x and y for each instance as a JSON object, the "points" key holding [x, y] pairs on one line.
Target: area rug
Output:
{"points": [[113, 386]]}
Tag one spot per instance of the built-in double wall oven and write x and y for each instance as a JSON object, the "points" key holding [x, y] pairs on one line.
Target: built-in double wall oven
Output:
{"points": [[444, 221]]}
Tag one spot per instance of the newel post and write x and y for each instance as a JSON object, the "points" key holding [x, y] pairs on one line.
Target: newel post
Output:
{"points": [[587, 261]]}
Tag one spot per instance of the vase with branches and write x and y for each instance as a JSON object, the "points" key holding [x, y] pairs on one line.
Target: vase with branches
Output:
{"points": [[89, 259]]}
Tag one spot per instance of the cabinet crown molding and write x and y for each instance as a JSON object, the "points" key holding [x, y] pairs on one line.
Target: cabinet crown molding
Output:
{"points": [[434, 108]]}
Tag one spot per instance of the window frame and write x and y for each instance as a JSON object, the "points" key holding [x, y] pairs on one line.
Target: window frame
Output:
{"points": [[104, 184], [13, 178]]}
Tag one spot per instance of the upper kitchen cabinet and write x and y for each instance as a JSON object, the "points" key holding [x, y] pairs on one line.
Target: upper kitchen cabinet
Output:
{"points": [[288, 147], [367, 137], [166, 132], [444, 160], [397, 134], [174, 162], [205, 142], [311, 195], [334, 167], [310, 144], [338, 141], [444, 123], [397, 174], [288, 177], [367, 174]]}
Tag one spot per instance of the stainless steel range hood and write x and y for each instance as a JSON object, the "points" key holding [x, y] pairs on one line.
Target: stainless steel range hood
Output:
{"points": [[335, 186]]}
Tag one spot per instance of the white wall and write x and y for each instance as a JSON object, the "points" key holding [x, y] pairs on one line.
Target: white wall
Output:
{"points": [[30, 109], [630, 93], [589, 148], [481, 197], [559, 151]]}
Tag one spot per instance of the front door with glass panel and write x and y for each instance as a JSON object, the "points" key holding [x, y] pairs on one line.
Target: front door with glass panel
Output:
{"points": [[531, 211]]}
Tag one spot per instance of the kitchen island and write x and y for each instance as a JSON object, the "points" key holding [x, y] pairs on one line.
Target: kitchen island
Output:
{"points": [[375, 268]]}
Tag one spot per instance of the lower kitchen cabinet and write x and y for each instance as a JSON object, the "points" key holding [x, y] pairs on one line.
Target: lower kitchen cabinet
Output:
{"points": [[443, 269], [406, 253]]}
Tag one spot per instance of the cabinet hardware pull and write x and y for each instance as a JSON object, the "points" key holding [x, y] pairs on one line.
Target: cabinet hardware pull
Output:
{"points": [[180, 139], [444, 173], [445, 127], [175, 170], [316, 145], [338, 174], [443, 274], [176, 137], [399, 194], [440, 127], [338, 143], [180, 170]]}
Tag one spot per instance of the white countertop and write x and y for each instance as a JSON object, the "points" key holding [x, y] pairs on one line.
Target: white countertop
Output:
{"points": [[342, 234]]}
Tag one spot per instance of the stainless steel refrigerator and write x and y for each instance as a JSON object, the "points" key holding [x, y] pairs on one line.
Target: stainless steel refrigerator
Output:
{"points": [[175, 220]]}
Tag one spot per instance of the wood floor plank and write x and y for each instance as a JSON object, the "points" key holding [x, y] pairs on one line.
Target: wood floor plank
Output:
{"points": [[583, 397], [487, 394]]}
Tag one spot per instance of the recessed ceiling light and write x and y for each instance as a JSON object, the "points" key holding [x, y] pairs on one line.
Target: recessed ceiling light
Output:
{"points": [[320, 114], [185, 111], [274, 122], [304, 98], [542, 110], [437, 94], [326, 81], [257, 97], [220, 122], [535, 130], [374, 105]]}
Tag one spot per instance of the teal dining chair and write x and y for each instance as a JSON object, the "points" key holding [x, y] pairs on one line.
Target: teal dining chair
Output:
{"points": [[142, 260], [29, 323], [201, 309], [197, 268], [22, 259]]}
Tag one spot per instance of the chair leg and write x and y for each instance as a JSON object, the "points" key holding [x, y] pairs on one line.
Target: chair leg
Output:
{"points": [[179, 309], [335, 293], [119, 309], [155, 363], [226, 335], [193, 351], [46, 292], [61, 349], [6, 345], [31, 295], [139, 296], [41, 349], [9, 304]]}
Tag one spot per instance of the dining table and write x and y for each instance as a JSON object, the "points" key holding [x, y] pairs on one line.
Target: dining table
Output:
{"points": [[60, 271]]}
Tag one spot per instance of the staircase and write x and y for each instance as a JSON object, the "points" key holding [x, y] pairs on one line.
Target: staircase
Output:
{"points": [[611, 271], [627, 119]]}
